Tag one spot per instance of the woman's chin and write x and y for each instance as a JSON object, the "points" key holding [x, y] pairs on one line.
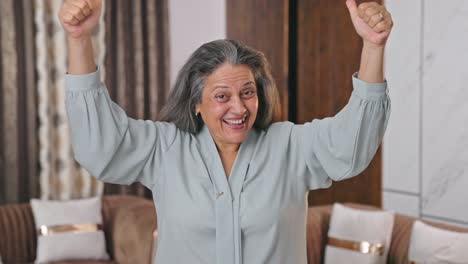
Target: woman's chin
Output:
{"points": [[236, 137], [233, 134]]}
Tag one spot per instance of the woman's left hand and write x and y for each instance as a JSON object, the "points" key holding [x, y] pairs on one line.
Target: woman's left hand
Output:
{"points": [[372, 22]]}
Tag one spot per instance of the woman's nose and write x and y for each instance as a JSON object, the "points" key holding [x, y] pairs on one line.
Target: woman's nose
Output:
{"points": [[238, 106]]}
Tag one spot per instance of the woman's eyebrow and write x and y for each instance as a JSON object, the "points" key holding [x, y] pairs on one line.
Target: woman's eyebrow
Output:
{"points": [[249, 83], [225, 87], [220, 86]]}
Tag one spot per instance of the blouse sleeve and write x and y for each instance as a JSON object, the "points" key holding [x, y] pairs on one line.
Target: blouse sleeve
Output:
{"points": [[111, 146], [342, 146]]}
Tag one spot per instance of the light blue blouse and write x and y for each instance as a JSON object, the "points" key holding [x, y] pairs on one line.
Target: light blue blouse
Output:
{"points": [[258, 213]]}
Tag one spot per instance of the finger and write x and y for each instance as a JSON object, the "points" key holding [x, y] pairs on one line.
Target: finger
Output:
{"points": [[376, 19], [370, 12], [352, 7], [83, 6], [94, 4], [362, 8], [367, 10], [388, 18], [70, 12], [78, 14], [87, 10], [76, 11], [381, 27], [90, 4], [366, 5], [70, 19]]}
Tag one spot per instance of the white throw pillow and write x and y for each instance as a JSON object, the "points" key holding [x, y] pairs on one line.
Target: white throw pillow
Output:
{"points": [[85, 240], [358, 236], [430, 244]]}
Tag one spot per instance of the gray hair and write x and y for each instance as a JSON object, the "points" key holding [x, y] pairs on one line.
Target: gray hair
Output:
{"points": [[188, 88]]}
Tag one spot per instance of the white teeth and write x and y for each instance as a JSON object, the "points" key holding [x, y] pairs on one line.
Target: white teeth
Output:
{"points": [[236, 122]]}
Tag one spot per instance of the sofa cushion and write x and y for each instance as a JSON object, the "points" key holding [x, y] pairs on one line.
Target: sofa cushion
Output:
{"points": [[133, 240], [358, 236], [430, 244], [69, 230]]}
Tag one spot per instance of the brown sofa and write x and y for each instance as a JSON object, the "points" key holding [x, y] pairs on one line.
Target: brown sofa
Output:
{"points": [[128, 224], [317, 228]]}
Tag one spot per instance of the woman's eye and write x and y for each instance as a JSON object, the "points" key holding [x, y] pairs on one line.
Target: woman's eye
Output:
{"points": [[221, 97], [249, 93]]}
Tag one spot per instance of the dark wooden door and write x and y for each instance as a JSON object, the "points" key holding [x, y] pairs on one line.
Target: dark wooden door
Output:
{"points": [[313, 49], [328, 52], [263, 25]]}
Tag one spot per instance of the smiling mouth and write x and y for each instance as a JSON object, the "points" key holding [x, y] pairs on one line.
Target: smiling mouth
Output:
{"points": [[235, 122]]}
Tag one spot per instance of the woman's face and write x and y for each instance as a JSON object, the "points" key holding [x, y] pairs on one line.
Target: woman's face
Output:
{"points": [[229, 103]]}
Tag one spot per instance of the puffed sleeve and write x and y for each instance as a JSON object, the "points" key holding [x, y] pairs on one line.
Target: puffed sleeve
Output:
{"points": [[111, 146], [342, 146]]}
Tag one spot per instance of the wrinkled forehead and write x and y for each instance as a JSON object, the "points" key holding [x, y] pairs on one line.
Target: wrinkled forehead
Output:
{"points": [[230, 75]]}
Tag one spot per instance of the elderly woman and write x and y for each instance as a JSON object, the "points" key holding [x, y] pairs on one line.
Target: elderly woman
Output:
{"points": [[229, 185]]}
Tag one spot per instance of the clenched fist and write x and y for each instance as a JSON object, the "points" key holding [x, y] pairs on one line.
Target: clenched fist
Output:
{"points": [[80, 17], [372, 22]]}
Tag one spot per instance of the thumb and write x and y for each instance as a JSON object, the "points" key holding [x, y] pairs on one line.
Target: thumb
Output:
{"points": [[352, 7]]}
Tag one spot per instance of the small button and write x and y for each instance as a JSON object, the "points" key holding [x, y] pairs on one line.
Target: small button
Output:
{"points": [[219, 195]]}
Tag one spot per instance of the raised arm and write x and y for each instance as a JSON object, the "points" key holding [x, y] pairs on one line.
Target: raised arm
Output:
{"points": [[111, 146], [342, 146], [373, 23], [79, 18]]}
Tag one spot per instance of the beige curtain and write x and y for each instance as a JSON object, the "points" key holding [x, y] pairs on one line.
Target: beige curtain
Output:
{"points": [[137, 62], [60, 176], [18, 142], [131, 47]]}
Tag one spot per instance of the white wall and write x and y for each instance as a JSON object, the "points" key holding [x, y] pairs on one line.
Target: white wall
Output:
{"points": [[192, 23], [426, 145]]}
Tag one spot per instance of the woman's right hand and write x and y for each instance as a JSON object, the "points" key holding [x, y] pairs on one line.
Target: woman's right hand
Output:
{"points": [[80, 17]]}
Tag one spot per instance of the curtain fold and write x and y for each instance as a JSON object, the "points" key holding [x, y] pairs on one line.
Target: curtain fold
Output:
{"points": [[18, 151], [61, 177], [137, 63]]}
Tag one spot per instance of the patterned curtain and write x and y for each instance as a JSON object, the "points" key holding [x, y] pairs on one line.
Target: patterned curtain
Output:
{"points": [[137, 63], [60, 176], [131, 47], [18, 141]]}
